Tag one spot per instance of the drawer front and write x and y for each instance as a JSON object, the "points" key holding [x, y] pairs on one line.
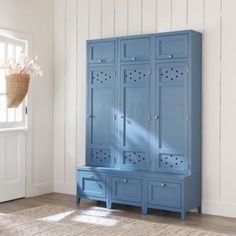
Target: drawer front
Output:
{"points": [[164, 194], [101, 52], [137, 49], [92, 184], [127, 189], [171, 47]]}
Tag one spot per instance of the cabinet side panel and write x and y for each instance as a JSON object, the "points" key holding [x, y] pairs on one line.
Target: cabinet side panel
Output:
{"points": [[196, 102]]}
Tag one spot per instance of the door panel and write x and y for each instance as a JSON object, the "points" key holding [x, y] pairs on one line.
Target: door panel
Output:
{"points": [[163, 194], [171, 47], [172, 118], [134, 120], [126, 189], [92, 184], [101, 52], [12, 166], [135, 49], [101, 110], [171, 111], [100, 117]]}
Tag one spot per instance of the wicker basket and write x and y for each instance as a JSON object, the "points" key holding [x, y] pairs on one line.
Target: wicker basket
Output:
{"points": [[16, 89]]}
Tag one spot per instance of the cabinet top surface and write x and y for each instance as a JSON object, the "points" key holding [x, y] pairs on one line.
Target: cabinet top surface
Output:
{"points": [[148, 35]]}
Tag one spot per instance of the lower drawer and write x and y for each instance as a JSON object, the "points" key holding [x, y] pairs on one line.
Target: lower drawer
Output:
{"points": [[127, 189], [92, 185], [164, 194]]}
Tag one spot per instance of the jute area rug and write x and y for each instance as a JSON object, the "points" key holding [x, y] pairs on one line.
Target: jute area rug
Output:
{"points": [[50, 220]]}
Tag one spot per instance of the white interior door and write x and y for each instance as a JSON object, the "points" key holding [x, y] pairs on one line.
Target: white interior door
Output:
{"points": [[13, 124], [12, 165]]}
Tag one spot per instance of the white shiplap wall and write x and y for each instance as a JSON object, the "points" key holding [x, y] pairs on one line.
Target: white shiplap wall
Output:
{"points": [[106, 18]]}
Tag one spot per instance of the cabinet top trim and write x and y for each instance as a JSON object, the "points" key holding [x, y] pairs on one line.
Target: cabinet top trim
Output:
{"points": [[147, 35]]}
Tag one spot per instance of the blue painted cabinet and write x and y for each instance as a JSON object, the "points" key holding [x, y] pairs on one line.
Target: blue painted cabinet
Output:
{"points": [[143, 139]]}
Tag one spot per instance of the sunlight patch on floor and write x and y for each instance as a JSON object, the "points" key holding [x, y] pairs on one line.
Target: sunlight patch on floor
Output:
{"points": [[95, 220], [103, 209], [96, 213], [57, 217], [3, 214]]}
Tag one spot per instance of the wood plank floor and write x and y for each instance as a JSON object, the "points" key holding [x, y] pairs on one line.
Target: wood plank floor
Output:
{"points": [[205, 222]]}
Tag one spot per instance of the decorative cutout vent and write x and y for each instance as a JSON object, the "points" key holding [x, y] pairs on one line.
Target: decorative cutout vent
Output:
{"points": [[136, 160], [172, 73], [101, 156], [135, 75], [172, 162], [102, 77]]}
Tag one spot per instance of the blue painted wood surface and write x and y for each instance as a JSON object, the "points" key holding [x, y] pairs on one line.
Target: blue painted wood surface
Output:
{"points": [[143, 142]]}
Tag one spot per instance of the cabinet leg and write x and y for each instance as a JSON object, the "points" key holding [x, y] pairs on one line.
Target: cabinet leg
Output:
{"points": [[144, 210], [109, 204], [199, 210], [78, 200], [183, 215]]}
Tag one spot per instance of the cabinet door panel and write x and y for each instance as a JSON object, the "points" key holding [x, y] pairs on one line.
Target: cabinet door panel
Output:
{"points": [[171, 108], [100, 123], [171, 47], [134, 120], [172, 118], [126, 189], [101, 52], [163, 194], [135, 49], [92, 185]]}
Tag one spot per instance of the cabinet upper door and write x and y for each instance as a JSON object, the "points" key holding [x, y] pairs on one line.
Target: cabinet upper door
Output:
{"points": [[171, 47], [135, 49], [100, 116], [102, 51]]}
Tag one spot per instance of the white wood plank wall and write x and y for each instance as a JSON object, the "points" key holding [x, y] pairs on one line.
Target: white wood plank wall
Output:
{"points": [[107, 18]]}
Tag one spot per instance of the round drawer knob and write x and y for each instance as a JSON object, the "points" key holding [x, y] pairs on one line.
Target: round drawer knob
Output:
{"points": [[92, 177], [171, 56], [133, 59], [100, 60], [125, 180], [156, 117], [163, 184]]}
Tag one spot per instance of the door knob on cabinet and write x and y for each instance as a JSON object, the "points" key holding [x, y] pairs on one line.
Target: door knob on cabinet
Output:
{"points": [[157, 117], [90, 116], [163, 184], [125, 180], [100, 60], [122, 117], [171, 56], [133, 59]]}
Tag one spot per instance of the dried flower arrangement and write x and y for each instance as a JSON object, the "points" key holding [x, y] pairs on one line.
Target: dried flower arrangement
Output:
{"points": [[24, 65], [18, 77]]}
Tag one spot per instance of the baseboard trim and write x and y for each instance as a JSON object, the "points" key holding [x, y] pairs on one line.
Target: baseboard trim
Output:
{"points": [[219, 208], [39, 189], [62, 187]]}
